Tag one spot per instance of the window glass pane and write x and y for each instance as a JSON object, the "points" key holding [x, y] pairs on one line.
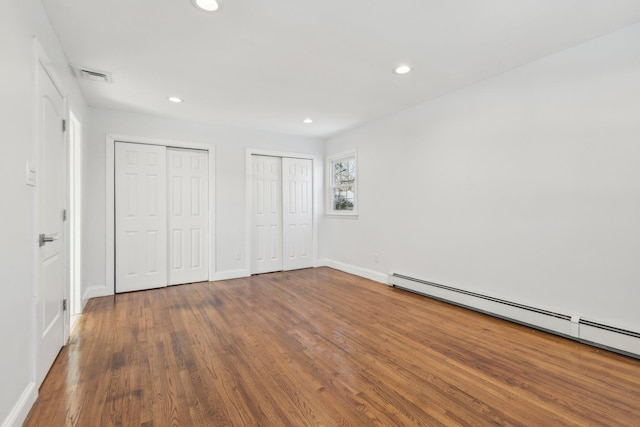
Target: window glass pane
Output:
{"points": [[343, 198], [352, 168], [338, 172], [342, 184], [344, 172]]}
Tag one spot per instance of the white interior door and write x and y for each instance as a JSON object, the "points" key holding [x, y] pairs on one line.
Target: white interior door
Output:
{"points": [[52, 255], [297, 198], [266, 230], [188, 216], [141, 216]]}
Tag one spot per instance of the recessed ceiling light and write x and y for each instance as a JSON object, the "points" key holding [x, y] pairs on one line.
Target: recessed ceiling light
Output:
{"points": [[206, 5], [402, 69], [175, 99], [307, 121]]}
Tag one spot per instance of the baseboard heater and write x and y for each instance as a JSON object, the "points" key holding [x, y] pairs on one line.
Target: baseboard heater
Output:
{"points": [[571, 326]]}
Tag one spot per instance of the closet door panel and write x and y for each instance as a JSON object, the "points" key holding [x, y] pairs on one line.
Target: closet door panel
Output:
{"points": [[188, 216], [141, 216], [297, 180], [266, 228]]}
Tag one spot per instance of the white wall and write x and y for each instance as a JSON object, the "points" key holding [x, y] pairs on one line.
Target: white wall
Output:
{"points": [[231, 145], [20, 21], [525, 186]]}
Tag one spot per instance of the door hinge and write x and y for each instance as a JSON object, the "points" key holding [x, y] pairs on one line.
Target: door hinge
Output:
{"points": [[64, 214], [64, 305], [64, 125]]}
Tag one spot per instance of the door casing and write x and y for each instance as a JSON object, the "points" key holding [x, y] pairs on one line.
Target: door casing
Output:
{"points": [[75, 215]]}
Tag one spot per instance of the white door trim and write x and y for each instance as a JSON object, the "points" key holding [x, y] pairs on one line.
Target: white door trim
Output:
{"points": [[75, 215], [317, 197], [110, 197]]}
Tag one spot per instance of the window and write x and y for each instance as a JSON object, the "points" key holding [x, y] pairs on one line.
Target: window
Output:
{"points": [[342, 185]]}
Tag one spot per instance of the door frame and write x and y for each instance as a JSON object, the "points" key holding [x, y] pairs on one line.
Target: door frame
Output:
{"points": [[74, 220], [42, 62], [317, 197], [110, 196]]}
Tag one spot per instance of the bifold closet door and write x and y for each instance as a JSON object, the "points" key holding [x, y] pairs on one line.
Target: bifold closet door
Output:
{"points": [[282, 210], [297, 212], [162, 211], [141, 216], [188, 216], [266, 231]]}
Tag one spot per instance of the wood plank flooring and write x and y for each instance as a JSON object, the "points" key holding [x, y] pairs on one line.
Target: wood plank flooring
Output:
{"points": [[324, 348]]}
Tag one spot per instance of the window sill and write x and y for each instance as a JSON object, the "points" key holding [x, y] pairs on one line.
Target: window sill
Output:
{"points": [[344, 215]]}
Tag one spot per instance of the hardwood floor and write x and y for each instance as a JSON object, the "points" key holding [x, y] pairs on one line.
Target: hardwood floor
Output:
{"points": [[321, 347]]}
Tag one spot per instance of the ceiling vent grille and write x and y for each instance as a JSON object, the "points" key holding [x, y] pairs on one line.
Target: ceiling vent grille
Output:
{"points": [[92, 75]]}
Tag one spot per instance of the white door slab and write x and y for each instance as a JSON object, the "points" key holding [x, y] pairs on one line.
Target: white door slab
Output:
{"points": [[266, 231], [51, 185], [188, 216], [141, 216], [297, 197]]}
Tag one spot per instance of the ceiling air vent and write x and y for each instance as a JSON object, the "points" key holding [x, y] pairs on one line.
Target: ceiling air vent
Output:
{"points": [[92, 75]]}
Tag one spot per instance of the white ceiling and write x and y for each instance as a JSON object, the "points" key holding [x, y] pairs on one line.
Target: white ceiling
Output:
{"points": [[267, 65]]}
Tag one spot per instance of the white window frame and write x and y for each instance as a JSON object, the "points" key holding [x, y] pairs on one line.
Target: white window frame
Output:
{"points": [[344, 156]]}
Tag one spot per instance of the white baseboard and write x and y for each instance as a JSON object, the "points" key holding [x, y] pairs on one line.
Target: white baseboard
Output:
{"points": [[230, 274], [610, 340], [95, 292], [492, 307], [22, 407], [570, 326], [103, 291], [358, 271], [83, 302]]}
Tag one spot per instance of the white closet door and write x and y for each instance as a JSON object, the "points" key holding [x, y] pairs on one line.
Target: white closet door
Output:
{"points": [[141, 216], [266, 231], [188, 216], [297, 213]]}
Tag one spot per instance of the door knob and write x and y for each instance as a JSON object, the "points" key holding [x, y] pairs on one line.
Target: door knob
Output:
{"points": [[46, 239]]}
